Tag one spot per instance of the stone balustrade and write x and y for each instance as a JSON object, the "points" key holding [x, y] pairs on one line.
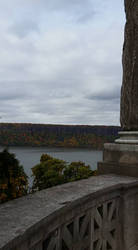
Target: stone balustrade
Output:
{"points": [[99, 213]]}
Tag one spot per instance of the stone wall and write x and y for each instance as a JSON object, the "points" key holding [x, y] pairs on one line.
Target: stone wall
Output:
{"points": [[98, 213]]}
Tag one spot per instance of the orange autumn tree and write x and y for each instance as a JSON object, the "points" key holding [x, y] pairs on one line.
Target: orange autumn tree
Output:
{"points": [[13, 180]]}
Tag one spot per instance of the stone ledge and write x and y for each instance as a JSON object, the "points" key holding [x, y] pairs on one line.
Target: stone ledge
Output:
{"points": [[127, 137], [122, 169], [121, 147], [22, 217], [117, 154]]}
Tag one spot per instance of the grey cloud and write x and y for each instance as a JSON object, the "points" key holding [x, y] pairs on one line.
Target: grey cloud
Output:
{"points": [[64, 4], [14, 96], [67, 61], [84, 17], [74, 10], [106, 94], [24, 27], [12, 92]]}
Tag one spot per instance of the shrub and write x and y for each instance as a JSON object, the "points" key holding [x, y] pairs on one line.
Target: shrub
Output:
{"points": [[13, 180]]}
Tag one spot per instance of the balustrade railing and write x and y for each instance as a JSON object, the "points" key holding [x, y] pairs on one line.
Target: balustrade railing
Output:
{"points": [[97, 229], [90, 214]]}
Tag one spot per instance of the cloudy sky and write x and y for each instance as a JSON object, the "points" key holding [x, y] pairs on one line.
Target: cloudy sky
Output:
{"points": [[60, 61]]}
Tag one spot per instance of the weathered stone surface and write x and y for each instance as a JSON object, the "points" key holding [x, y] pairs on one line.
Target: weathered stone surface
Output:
{"points": [[121, 159], [83, 215], [129, 91], [120, 153], [128, 137]]}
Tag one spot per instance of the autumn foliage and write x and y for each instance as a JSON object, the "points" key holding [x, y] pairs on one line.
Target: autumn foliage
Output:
{"points": [[19, 134], [13, 180]]}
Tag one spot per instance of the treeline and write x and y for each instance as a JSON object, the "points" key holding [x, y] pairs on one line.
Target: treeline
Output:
{"points": [[26, 134]]}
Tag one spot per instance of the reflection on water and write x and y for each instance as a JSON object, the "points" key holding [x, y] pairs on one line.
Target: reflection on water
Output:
{"points": [[30, 156]]}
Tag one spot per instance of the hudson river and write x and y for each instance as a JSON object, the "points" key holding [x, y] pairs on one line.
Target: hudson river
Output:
{"points": [[30, 156]]}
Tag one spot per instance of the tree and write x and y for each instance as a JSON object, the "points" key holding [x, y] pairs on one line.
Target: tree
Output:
{"points": [[51, 171], [77, 171], [13, 180], [48, 173]]}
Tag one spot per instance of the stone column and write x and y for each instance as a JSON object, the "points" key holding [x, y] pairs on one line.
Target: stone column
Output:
{"points": [[121, 157], [129, 91]]}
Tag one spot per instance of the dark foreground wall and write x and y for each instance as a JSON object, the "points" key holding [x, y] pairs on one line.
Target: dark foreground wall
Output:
{"points": [[97, 213]]}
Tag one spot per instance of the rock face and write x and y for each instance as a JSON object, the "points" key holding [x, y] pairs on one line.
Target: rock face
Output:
{"points": [[129, 91]]}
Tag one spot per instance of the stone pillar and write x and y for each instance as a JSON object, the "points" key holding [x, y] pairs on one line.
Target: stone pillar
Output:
{"points": [[129, 91], [121, 157]]}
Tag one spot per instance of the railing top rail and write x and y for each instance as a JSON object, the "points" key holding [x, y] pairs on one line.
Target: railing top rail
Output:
{"points": [[24, 214]]}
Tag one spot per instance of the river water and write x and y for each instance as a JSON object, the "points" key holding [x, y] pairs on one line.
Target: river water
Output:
{"points": [[30, 156]]}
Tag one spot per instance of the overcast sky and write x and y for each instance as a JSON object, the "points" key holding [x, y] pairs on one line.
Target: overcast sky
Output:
{"points": [[60, 61]]}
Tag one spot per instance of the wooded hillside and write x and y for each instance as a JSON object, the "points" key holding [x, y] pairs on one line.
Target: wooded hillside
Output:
{"points": [[24, 134]]}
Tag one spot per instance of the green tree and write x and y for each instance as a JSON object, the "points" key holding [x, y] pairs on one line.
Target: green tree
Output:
{"points": [[13, 180], [77, 171], [51, 171], [48, 173]]}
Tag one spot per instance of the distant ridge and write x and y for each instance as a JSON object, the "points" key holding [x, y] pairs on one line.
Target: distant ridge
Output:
{"points": [[28, 134]]}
